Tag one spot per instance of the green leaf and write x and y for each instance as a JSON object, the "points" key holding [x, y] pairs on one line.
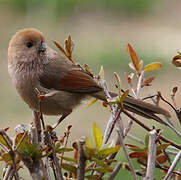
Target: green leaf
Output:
{"points": [[92, 102], [69, 159], [153, 66], [110, 160], [88, 142], [61, 150], [90, 152], [118, 83], [101, 169], [162, 146], [146, 140], [6, 157], [93, 177], [21, 141], [57, 146], [107, 151], [100, 162], [3, 142], [31, 150], [97, 136], [117, 101], [101, 73], [123, 96], [69, 168]]}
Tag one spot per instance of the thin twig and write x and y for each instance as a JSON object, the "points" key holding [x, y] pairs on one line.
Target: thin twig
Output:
{"points": [[128, 128], [172, 167], [54, 157], [115, 172], [148, 129], [168, 151], [37, 127], [66, 141], [151, 155], [81, 160], [47, 166], [110, 125], [139, 84], [9, 171], [126, 154], [115, 113], [177, 112], [134, 138]]}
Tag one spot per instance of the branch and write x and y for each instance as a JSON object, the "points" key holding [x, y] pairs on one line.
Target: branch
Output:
{"points": [[37, 135], [115, 113], [172, 167], [148, 129], [126, 154], [139, 84], [81, 160], [151, 155], [134, 138], [115, 172], [9, 172], [54, 157]]}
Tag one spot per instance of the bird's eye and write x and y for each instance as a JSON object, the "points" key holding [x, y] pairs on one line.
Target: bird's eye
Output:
{"points": [[29, 44]]}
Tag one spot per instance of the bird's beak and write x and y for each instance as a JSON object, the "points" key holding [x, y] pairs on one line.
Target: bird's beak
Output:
{"points": [[42, 47]]}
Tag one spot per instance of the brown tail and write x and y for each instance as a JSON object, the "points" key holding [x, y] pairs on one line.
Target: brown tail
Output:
{"points": [[137, 106]]}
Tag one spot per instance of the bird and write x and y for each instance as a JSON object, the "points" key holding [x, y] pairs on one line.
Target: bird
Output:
{"points": [[33, 65]]}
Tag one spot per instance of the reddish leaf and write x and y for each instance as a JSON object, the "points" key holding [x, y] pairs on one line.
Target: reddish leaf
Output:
{"points": [[59, 47], [88, 70], [138, 155], [133, 56], [69, 45], [174, 90], [147, 82], [161, 159], [177, 60], [134, 148]]}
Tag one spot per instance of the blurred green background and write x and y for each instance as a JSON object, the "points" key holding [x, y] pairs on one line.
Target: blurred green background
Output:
{"points": [[101, 31]]}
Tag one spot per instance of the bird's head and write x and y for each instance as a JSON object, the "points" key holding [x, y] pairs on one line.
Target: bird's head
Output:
{"points": [[26, 45]]}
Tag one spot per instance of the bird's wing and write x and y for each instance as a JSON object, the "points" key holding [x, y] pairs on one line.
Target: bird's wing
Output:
{"points": [[61, 75]]}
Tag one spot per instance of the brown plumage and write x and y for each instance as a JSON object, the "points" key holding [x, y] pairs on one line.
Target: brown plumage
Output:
{"points": [[32, 64]]}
